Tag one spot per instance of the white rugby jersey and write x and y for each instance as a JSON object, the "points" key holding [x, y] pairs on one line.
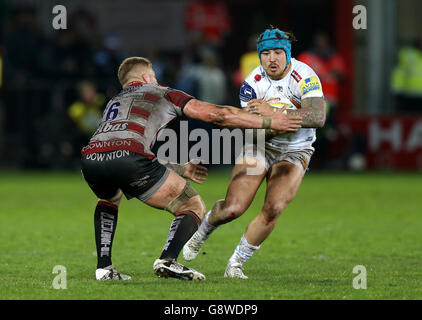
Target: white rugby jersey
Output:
{"points": [[300, 83]]}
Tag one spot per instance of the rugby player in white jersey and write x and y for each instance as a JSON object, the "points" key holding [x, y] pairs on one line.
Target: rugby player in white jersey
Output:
{"points": [[118, 160], [280, 81]]}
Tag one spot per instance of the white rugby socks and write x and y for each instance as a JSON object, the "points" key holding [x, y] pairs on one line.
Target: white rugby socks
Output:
{"points": [[205, 229], [243, 252]]}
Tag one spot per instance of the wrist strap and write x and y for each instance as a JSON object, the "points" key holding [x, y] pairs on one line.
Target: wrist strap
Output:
{"points": [[181, 170], [266, 122]]}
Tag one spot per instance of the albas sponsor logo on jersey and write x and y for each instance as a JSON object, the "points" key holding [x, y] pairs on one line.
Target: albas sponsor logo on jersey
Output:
{"points": [[310, 84], [110, 126]]}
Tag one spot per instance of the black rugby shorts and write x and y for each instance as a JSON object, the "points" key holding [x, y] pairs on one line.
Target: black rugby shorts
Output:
{"points": [[135, 174]]}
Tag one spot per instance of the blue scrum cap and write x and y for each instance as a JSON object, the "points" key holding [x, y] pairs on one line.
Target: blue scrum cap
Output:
{"points": [[274, 39]]}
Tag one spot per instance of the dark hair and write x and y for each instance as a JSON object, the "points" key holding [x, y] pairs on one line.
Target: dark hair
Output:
{"points": [[290, 36]]}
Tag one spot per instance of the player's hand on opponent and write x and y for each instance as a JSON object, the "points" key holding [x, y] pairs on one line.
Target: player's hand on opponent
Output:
{"points": [[262, 107], [281, 122], [195, 172], [284, 122]]}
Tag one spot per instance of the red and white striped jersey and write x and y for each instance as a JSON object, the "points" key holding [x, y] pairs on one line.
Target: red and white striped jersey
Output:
{"points": [[133, 119]]}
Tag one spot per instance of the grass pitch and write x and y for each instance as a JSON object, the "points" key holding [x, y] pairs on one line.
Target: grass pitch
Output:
{"points": [[336, 222]]}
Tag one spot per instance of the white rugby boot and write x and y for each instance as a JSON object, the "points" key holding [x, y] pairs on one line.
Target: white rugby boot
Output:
{"points": [[193, 246], [110, 273], [234, 270], [165, 268]]}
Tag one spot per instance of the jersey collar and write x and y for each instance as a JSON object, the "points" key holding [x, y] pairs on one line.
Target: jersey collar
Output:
{"points": [[135, 83]]}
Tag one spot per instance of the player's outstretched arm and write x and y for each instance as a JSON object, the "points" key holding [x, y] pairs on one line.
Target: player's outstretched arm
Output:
{"points": [[228, 116], [313, 112]]}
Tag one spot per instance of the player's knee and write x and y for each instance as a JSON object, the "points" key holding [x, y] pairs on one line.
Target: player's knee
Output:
{"points": [[232, 211], [114, 200], [269, 219], [195, 204], [271, 211], [187, 199], [200, 206]]}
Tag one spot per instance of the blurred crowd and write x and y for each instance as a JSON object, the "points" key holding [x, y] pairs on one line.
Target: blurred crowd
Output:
{"points": [[45, 75], [406, 79]]}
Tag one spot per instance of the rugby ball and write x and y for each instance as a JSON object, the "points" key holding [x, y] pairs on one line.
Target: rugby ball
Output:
{"points": [[280, 103]]}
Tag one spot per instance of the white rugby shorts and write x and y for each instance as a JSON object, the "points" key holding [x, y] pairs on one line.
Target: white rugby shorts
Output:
{"points": [[268, 156]]}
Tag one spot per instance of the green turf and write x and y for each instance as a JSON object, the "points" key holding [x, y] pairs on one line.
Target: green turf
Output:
{"points": [[336, 222]]}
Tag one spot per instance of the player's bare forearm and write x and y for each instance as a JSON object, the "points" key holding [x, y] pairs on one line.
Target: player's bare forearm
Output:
{"points": [[232, 117], [225, 116], [228, 116], [238, 118], [313, 112]]}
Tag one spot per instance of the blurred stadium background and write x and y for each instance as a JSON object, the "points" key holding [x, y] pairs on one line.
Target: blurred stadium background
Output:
{"points": [[54, 83]]}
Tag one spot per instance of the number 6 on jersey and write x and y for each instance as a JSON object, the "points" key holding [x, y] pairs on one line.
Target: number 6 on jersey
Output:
{"points": [[113, 111]]}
